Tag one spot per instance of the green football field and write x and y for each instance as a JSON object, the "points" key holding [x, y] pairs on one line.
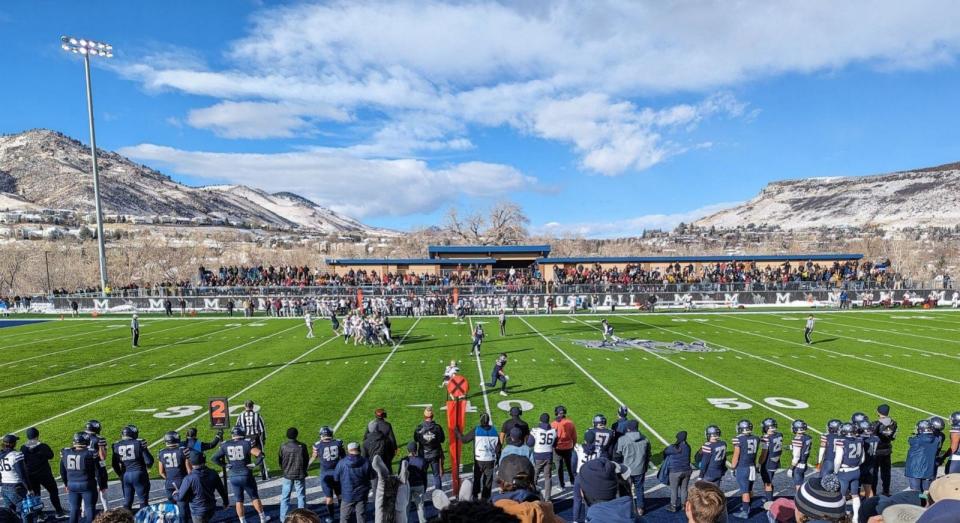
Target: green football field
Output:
{"points": [[58, 374]]}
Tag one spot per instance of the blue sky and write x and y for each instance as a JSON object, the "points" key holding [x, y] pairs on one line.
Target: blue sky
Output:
{"points": [[599, 118]]}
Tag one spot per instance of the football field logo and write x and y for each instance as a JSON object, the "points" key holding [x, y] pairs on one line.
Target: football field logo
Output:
{"points": [[659, 347]]}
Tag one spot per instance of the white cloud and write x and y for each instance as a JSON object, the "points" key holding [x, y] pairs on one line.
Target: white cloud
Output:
{"points": [[359, 187], [628, 226], [416, 76]]}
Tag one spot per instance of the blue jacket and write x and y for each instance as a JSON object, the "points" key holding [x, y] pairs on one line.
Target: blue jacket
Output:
{"points": [[521, 450], [921, 457], [678, 458], [199, 489], [353, 474]]}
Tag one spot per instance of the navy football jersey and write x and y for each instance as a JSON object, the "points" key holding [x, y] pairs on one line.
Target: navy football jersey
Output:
{"points": [[131, 455], [870, 444], [801, 445], [749, 446], [603, 442], [80, 469], [827, 442], [852, 449], [713, 460], [773, 444], [237, 454], [174, 464], [329, 453], [98, 444], [498, 368]]}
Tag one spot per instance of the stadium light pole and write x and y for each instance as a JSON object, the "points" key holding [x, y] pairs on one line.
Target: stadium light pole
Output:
{"points": [[88, 48]]}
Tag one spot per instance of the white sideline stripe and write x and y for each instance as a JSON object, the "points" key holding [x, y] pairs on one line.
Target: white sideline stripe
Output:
{"points": [[899, 333], [31, 342], [761, 404], [597, 383], [923, 324], [112, 340], [794, 369], [40, 329], [155, 378], [41, 380], [250, 386], [375, 374], [483, 382], [842, 354]]}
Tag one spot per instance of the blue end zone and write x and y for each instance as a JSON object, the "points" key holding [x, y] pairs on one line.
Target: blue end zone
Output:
{"points": [[17, 323]]}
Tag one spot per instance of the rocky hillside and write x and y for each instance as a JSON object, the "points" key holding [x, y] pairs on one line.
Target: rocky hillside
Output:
{"points": [[917, 198], [43, 169]]}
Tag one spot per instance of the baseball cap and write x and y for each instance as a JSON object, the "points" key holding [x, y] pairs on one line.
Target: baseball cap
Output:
{"points": [[940, 512], [197, 458], [353, 445], [515, 467], [820, 498], [946, 488], [883, 409], [516, 434]]}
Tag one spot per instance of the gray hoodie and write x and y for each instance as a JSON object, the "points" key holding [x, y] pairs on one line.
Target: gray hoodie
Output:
{"points": [[633, 450]]}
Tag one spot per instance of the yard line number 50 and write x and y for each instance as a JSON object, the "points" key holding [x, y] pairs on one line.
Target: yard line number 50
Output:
{"points": [[775, 401]]}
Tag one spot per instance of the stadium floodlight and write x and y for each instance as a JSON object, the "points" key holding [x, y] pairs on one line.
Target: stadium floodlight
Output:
{"points": [[89, 48]]}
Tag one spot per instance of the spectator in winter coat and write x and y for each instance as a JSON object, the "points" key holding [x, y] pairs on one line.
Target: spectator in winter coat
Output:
{"points": [[293, 462], [37, 456], [416, 469], [200, 488], [516, 445], [518, 492], [354, 476], [633, 451], [677, 461], [430, 438]]}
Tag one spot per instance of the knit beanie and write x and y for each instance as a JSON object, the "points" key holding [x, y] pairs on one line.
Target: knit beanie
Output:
{"points": [[819, 498]]}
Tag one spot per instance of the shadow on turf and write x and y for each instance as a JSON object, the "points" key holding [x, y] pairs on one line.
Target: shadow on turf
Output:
{"points": [[826, 340]]}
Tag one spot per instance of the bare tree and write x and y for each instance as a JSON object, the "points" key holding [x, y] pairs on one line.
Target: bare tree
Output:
{"points": [[504, 223]]}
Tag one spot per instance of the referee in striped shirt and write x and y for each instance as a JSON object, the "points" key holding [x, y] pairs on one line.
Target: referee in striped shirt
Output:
{"points": [[252, 423]]}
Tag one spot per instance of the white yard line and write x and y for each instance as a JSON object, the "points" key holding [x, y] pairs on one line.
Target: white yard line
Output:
{"points": [[372, 378], [597, 383], [899, 333], [132, 354], [151, 380], [126, 337], [45, 340], [483, 381], [794, 369], [761, 404], [836, 353], [252, 385]]}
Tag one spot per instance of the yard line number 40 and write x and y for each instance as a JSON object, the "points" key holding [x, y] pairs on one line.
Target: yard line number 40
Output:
{"points": [[774, 401]]}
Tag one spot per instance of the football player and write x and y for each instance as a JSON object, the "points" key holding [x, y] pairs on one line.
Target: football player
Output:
{"points": [[745, 447], [98, 445], [868, 471], [13, 474], [953, 463], [131, 460], [499, 375], [543, 439], [713, 456], [335, 323], [449, 373], [825, 457], [83, 476], [236, 455], [607, 331], [919, 467], [308, 320], [477, 340], [329, 451], [938, 425], [771, 447], [602, 436], [172, 465], [848, 456], [800, 447]]}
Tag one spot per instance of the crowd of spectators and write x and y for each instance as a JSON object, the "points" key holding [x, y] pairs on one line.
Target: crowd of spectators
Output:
{"points": [[834, 274]]}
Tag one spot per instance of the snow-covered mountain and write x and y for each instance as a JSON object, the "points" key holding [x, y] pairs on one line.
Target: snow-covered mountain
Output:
{"points": [[43, 169], [917, 198]]}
